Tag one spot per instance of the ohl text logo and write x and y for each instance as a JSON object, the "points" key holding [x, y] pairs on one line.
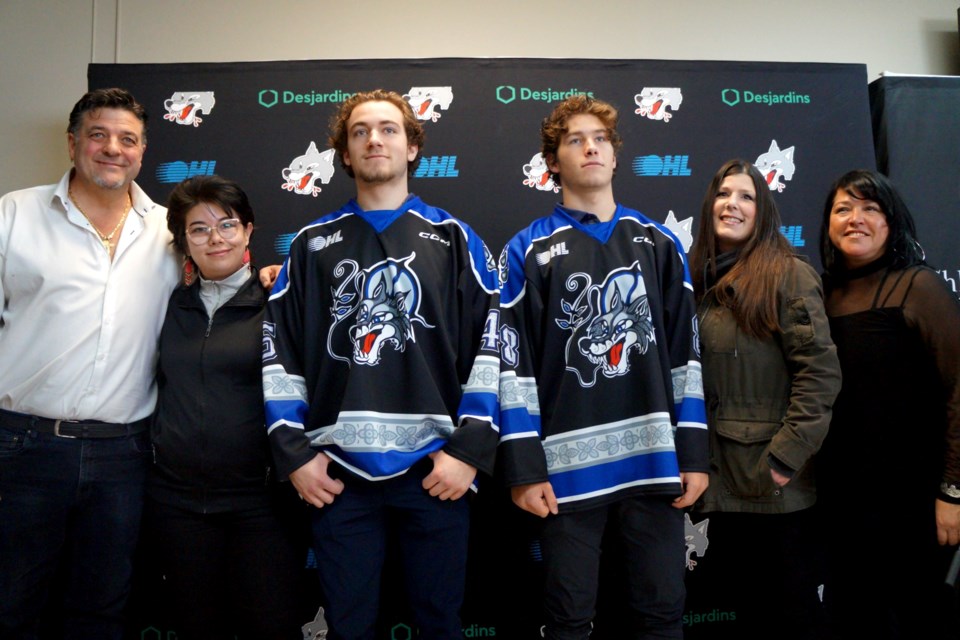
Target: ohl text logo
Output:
{"points": [[304, 171], [437, 167], [653, 102], [185, 107], [178, 170], [425, 101], [794, 235], [661, 166], [538, 175]]}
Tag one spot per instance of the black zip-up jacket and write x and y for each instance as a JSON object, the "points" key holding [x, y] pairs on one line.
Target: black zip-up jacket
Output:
{"points": [[210, 444]]}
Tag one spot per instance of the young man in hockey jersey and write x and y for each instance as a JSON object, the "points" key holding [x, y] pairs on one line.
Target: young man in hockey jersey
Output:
{"points": [[380, 406], [602, 417]]}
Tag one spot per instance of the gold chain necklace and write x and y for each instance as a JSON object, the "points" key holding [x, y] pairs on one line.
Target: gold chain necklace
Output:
{"points": [[104, 239]]}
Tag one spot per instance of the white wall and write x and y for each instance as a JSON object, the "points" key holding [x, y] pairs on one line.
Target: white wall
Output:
{"points": [[45, 45]]}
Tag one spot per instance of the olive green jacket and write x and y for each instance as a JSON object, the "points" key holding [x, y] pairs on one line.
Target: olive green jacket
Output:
{"points": [[768, 398]]}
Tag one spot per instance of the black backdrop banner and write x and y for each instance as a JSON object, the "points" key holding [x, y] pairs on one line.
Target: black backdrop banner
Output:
{"points": [[917, 131], [257, 123], [264, 124]]}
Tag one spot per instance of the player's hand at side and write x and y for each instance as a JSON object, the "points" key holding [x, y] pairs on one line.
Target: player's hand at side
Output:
{"points": [[537, 498], [314, 484], [694, 484], [450, 478]]}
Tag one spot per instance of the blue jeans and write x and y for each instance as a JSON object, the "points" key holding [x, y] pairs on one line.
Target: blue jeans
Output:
{"points": [[71, 508], [350, 542]]}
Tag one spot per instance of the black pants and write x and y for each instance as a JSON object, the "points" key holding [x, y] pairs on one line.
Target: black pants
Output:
{"points": [[351, 538], [227, 574], [650, 533]]}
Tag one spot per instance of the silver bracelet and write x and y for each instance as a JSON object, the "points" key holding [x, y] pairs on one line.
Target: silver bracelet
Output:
{"points": [[950, 490]]}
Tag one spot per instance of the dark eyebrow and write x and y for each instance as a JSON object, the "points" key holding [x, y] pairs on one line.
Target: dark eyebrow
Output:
{"points": [[124, 132]]}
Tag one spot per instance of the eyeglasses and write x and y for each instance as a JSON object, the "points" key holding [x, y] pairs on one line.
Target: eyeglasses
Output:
{"points": [[226, 228]]}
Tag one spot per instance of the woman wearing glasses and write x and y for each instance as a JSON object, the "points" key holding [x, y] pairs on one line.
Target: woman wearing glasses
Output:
{"points": [[228, 558]]}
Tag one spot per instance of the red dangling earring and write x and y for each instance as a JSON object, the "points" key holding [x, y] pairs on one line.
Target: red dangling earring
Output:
{"points": [[187, 271], [246, 256]]}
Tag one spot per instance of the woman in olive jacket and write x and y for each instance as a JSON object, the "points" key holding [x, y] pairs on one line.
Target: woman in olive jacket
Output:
{"points": [[214, 511], [770, 374]]}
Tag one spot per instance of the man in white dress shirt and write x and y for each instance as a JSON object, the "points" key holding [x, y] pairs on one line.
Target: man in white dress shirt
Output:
{"points": [[86, 269]]}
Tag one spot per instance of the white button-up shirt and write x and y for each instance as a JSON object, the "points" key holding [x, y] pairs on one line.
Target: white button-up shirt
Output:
{"points": [[79, 332]]}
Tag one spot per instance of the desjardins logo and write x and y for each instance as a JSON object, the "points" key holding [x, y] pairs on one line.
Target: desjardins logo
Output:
{"points": [[733, 97], [272, 97], [507, 93]]}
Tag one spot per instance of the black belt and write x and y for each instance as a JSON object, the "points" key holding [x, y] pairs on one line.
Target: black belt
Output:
{"points": [[72, 428]]}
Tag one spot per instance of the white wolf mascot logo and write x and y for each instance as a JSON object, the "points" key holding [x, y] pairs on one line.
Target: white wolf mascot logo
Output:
{"points": [[185, 107]]}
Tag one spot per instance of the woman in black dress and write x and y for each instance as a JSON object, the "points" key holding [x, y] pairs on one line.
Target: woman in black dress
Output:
{"points": [[889, 470]]}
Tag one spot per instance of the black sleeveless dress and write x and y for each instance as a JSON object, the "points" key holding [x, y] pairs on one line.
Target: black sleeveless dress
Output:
{"points": [[879, 474]]}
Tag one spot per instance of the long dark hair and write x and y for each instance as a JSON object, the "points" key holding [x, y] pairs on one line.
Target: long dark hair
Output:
{"points": [[749, 288], [902, 250]]}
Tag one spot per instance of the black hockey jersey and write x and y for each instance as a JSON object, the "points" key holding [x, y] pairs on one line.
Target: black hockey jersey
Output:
{"points": [[602, 394], [372, 341]]}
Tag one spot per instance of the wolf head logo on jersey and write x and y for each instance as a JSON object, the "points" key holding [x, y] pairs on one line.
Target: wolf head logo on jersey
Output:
{"points": [[304, 171], [623, 324], [538, 175], [426, 100], [776, 164], [652, 102], [384, 301], [185, 107], [607, 322]]}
